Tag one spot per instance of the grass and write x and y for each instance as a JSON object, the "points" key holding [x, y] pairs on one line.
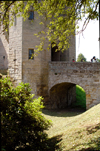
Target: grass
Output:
{"points": [[80, 97], [73, 130]]}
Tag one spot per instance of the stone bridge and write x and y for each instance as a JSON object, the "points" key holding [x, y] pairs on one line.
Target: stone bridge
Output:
{"points": [[63, 78]]}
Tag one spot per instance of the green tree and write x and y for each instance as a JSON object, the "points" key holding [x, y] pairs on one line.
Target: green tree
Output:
{"points": [[81, 58], [98, 60], [22, 122], [59, 17]]}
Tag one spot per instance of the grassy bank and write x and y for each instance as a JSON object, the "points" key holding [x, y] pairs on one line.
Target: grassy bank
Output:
{"points": [[80, 98], [74, 130]]}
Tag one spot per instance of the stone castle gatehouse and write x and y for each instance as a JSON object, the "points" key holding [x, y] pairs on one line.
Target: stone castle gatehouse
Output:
{"points": [[50, 74]]}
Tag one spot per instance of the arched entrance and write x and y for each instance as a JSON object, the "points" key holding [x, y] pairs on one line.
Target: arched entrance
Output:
{"points": [[62, 95], [87, 75], [65, 95]]}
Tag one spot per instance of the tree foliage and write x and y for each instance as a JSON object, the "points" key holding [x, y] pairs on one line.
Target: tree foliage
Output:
{"points": [[60, 18], [98, 60], [22, 122], [81, 58]]}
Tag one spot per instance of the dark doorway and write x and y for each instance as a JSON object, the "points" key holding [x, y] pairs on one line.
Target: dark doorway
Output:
{"points": [[58, 55], [62, 95], [55, 55]]}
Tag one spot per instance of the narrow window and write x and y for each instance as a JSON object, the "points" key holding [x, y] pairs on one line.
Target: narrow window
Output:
{"points": [[31, 15], [31, 54], [15, 20], [55, 55]]}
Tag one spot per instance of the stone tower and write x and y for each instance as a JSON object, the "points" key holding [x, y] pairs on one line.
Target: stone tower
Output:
{"points": [[4, 51], [21, 45]]}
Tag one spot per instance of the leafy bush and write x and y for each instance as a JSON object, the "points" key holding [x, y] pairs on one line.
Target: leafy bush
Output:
{"points": [[22, 122]]}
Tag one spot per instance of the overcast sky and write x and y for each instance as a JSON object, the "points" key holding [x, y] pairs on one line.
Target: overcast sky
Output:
{"points": [[87, 43]]}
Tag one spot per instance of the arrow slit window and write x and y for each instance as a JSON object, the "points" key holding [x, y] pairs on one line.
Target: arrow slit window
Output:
{"points": [[31, 54]]}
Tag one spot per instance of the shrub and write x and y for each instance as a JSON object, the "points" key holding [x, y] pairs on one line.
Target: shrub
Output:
{"points": [[22, 122]]}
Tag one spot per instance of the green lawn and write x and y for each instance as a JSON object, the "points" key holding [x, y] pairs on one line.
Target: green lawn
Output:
{"points": [[73, 130]]}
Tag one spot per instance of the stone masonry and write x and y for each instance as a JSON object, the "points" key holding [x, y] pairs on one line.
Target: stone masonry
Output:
{"points": [[4, 50], [21, 68], [50, 74], [85, 74]]}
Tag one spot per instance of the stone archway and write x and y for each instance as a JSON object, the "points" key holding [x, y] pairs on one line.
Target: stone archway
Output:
{"points": [[62, 95], [87, 75]]}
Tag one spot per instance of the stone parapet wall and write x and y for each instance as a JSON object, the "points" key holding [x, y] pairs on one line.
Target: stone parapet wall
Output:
{"points": [[74, 65], [86, 74], [89, 72]]}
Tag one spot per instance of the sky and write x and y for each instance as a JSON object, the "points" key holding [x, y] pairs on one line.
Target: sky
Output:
{"points": [[87, 42]]}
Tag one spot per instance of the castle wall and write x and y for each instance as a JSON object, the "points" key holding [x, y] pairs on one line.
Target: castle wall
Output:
{"points": [[4, 50], [34, 71], [54, 81], [85, 74], [72, 48], [3, 56], [15, 51]]}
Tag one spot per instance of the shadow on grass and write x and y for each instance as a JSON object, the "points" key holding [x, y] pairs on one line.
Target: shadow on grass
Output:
{"points": [[93, 145], [96, 143], [68, 112], [91, 130], [53, 143], [49, 145]]}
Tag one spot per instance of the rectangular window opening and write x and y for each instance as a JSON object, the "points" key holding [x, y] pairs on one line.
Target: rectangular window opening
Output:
{"points": [[31, 15], [31, 54]]}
